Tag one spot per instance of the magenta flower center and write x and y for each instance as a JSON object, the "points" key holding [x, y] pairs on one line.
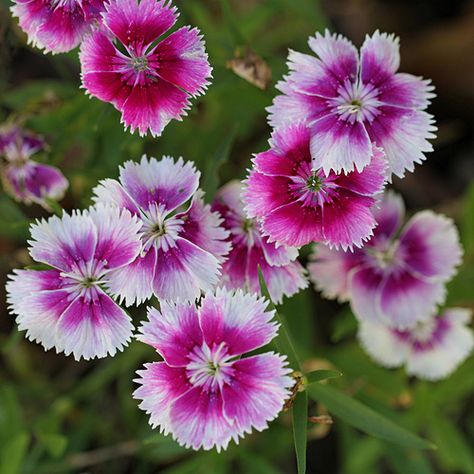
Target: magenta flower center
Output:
{"points": [[357, 102], [312, 187], [208, 367]]}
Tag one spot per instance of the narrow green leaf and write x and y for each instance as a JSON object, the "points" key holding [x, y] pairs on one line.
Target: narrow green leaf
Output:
{"points": [[299, 414], [454, 450], [233, 26], [364, 418], [54, 206], [318, 375], [282, 341], [211, 177], [407, 461]]}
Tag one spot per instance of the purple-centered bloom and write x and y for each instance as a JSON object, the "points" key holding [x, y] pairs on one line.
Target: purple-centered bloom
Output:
{"points": [[182, 242], [398, 278], [351, 102], [66, 306], [56, 26], [24, 179], [148, 79], [205, 392], [282, 272], [297, 204], [430, 350]]}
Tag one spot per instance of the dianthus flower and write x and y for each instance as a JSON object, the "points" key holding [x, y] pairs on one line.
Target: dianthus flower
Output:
{"points": [[24, 179], [183, 247], [282, 272], [349, 103], [204, 392], [297, 204], [430, 350], [66, 306], [56, 26], [397, 278], [148, 79]]}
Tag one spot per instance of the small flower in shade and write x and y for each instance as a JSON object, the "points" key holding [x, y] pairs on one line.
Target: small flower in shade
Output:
{"points": [[297, 204], [56, 26], [24, 179], [66, 306], [183, 247], [148, 79], [430, 350], [283, 274], [349, 103], [204, 392], [398, 281]]}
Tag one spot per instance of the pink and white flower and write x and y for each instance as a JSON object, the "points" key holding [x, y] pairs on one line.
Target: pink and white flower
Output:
{"points": [[204, 392], [282, 272], [183, 247], [398, 278], [66, 306], [430, 350], [24, 179], [150, 80], [351, 102], [56, 26], [296, 204]]}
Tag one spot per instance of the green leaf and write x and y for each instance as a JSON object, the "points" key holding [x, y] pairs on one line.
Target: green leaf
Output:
{"points": [[318, 375], [299, 414], [13, 453], [221, 156], [467, 224], [407, 461], [54, 206], [364, 418], [453, 449], [282, 341]]}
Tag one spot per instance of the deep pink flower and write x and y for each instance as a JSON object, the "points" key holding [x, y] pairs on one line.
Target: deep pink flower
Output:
{"points": [[282, 272], [204, 392], [395, 280], [56, 26], [349, 103], [430, 350], [66, 306], [183, 247], [297, 204], [148, 79], [24, 179]]}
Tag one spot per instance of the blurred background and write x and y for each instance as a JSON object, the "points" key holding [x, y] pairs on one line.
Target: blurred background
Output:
{"points": [[60, 416]]}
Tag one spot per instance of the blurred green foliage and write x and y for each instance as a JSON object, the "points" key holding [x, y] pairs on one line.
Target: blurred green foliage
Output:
{"points": [[59, 416]]}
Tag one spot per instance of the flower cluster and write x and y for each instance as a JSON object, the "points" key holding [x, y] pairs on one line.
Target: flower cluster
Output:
{"points": [[23, 178], [125, 59], [344, 124], [395, 284]]}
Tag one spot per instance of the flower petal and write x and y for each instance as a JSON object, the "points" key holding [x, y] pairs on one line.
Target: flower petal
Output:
{"points": [[389, 213], [238, 319], [110, 191], [93, 328], [183, 60], [380, 58], [138, 24], [173, 332], [118, 238], [339, 145], [257, 392], [164, 182], [198, 421], [364, 292], [62, 242], [160, 386], [184, 271], [403, 134], [132, 284], [430, 246]]}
